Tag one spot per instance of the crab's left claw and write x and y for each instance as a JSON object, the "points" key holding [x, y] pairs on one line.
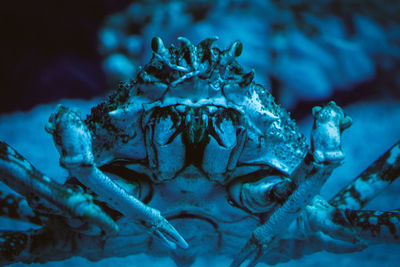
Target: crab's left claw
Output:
{"points": [[74, 142]]}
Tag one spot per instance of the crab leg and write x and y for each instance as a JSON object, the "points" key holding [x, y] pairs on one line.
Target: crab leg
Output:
{"points": [[73, 140], [47, 195], [50, 243], [376, 226], [17, 208], [370, 182], [310, 177], [323, 227], [265, 236], [12, 244], [357, 227], [338, 226]]}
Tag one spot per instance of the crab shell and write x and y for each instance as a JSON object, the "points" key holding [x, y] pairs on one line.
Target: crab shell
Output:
{"points": [[185, 79]]}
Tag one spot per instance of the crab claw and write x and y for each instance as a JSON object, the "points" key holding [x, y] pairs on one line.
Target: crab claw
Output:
{"points": [[84, 208], [252, 251], [131, 207], [164, 231], [74, 142]]}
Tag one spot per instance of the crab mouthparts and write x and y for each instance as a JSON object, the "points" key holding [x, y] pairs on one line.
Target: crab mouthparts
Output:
{"points": [[196, 122]]}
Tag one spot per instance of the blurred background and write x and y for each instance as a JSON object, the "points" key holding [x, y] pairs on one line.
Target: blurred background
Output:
{"points": [[305, 52]]}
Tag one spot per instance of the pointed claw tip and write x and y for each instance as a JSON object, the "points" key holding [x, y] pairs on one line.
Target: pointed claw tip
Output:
{"points": [[183, 244], [172, 245], [174, 236], [114, 230], [179, 240], [168, 243]]}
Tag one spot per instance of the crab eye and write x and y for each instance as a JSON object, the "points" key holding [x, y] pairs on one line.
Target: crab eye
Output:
{"points": [[238, 48], [156, 43]]}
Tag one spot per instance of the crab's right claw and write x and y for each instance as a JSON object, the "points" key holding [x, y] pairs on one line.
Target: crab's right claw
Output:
{"points": [[252, 251]]}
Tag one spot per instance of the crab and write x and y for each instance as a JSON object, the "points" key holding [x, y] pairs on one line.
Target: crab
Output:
{"points": [[192, 158]]}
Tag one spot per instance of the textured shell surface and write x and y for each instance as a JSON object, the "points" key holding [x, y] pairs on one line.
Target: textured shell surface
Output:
{"points": [[201, 95], [190, 124]]}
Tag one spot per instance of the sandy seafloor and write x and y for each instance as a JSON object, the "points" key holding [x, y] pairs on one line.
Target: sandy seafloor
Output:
{"points": [[376, 126]]}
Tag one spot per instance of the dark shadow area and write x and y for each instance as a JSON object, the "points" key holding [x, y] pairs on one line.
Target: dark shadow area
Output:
{"points": [[49, 50]]}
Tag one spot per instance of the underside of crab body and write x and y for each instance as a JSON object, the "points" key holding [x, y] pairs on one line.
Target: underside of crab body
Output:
{"points": [[199, 155]]}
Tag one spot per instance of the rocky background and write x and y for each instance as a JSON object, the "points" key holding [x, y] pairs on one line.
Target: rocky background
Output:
{"points": [[306, 52]]}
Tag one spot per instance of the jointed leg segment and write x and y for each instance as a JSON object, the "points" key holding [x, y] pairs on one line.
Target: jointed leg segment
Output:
{"points": [[378, 176], [329, 122], [344, 228], [73, 140], [47, 196]]}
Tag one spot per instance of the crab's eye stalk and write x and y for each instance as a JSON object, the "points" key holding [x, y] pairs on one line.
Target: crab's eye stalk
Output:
{"points": [[157, 44]]}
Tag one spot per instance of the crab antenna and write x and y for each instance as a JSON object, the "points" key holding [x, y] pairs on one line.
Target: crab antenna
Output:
{"points": [[206, 46], [207, 43], [247, 79], [162, 53], [234, 50]]}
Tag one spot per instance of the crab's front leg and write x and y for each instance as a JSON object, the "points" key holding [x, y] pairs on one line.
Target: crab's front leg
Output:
{"points": [[337, 228], [326, 155], [357, 228], [73, 140], [46, 195], [342, 219]]}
